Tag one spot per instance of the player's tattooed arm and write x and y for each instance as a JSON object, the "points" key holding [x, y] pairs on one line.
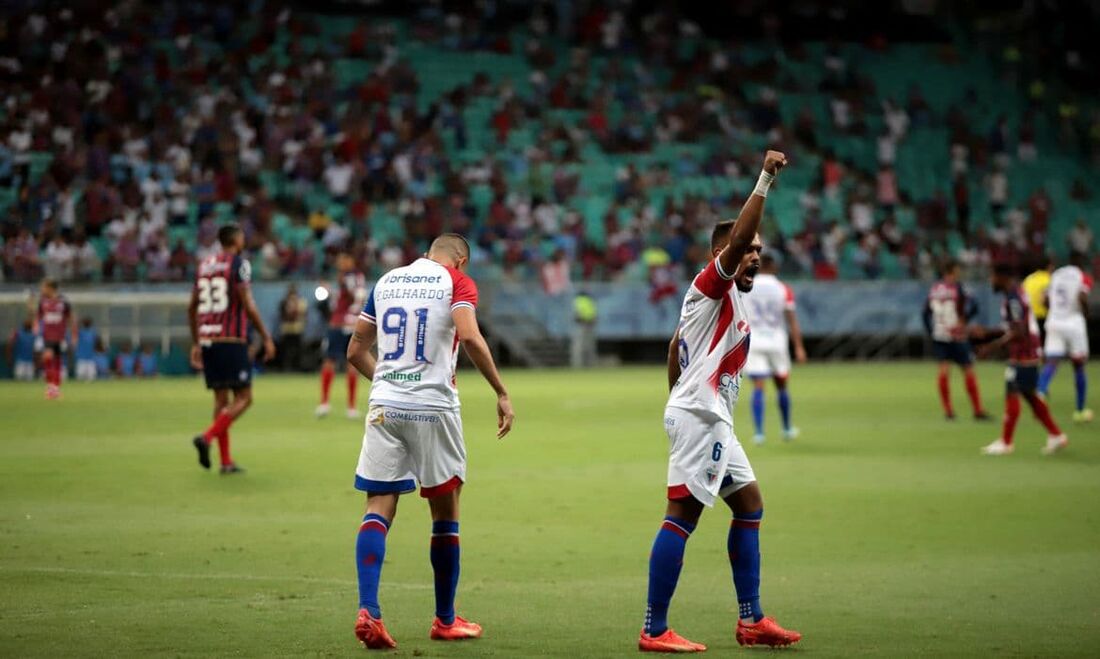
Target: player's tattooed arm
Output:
{"points": [[478, 351], [360, 347], [748, 221], [193, 324], [674, 360], [257, 319]]}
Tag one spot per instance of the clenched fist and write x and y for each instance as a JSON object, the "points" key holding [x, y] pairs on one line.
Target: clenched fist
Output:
{"points": [[774, 161]]}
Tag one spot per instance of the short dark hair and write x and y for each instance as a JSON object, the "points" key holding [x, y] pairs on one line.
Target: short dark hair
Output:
{"points": [[721, 232], [227, 234], [949, 265], [453, 244], [1004, 269], [767, 261], [50, 283]]}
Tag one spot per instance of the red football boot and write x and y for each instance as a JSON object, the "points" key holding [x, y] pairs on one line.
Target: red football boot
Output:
{"points": [[458, 630], [766, 632], [669, 641], [372, 633]]}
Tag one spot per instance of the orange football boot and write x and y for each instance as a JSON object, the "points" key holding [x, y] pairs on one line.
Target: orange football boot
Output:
{"points": [[765, 632], [372, 633], [669, 641], [458, 630]]}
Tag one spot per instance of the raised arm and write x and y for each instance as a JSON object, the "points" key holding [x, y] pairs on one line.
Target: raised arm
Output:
{"points": [[748, 221], [360, 346], [469, 334]]}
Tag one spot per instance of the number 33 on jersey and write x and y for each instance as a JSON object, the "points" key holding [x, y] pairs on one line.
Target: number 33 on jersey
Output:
{"points": [[417, 342], [218, 283]]}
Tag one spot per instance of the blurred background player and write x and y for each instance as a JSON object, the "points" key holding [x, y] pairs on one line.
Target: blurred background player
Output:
{"points": [[706, 462], [772, 314], [414, 429], [56, 326], [947, 312], [126, 365], [344, 309], [21, 351], [219, 314], [86, 338], [1035, 286], [1067, 330], [1020, 333]]}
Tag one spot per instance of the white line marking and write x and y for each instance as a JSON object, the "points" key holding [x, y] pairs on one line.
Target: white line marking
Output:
{"points": [[349, 582]]}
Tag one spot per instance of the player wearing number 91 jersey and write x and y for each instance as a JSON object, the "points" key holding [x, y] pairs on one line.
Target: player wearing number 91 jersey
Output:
{"points": [[418, 315], [219, 314]]}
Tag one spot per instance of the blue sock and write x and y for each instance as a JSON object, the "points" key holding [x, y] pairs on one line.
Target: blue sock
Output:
{"points": [[785, 408], [665, 562], [370, 551], [444, 554], [1046, 376], [743, 545], [758, 410], [1082, 381]]}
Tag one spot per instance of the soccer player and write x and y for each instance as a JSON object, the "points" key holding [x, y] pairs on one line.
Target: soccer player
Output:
{"points": [[344, 312], [1035, 286], [947, 311], [1067, 331], [706, 462], [85, 350], [55, 328], [1020, 334], [418, 314], [219, 314], [772, 312], [21, 351]]}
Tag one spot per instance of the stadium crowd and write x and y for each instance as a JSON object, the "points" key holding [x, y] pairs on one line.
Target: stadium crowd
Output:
{"points": [[162, 122]]}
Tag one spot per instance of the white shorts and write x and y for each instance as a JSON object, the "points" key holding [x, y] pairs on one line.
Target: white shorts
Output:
{"points": [[705, 459], [404, 447], [85, 369], [24, 370], [1067, 338], [766, 362]]}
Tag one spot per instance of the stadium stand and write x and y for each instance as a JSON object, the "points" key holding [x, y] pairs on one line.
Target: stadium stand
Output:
{"points": [[612, 141]]}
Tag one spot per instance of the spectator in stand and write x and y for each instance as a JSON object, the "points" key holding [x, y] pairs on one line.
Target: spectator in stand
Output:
{"points": [[102, 360], [555, 274], [58, 261], [996, 185], [960, 190], [1080, 238], [886, 189], [86, 263]]}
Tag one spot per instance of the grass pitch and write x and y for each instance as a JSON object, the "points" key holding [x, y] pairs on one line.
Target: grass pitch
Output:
{"points": [[885, 533]]}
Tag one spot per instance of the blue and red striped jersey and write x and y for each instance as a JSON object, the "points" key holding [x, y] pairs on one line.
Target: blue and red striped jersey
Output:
{"points": [[219, 282]]}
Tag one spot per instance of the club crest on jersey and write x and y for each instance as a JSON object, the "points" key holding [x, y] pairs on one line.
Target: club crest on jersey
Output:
{"points": [[711, 476], [730, 383]]}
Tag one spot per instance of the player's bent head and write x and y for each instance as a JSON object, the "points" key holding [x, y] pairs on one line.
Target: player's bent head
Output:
{"points": [[230, 236], [450, 249]]}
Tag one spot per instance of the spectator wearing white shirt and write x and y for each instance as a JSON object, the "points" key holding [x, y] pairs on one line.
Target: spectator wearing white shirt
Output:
{"points": [[338, 179], [86, 263], [1080, 238], [58, 261], [997, 187]]}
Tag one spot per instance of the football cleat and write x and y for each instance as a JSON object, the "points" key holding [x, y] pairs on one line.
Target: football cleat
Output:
{"points": [[998, 447], [53, 392], [765, 632], [791, 433], [232, 468], [758, 439], [458, 630], [321, 411], [669, 641], [353, 413], [1082, 416], [1055, 443], [982, 416], [950, 416], [203, 447], [372, 633]]}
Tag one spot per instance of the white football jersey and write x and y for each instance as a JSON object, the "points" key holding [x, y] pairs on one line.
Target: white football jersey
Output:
{"points": [[1066, 285], [767, 302], [714, 344], [417, 342]]}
